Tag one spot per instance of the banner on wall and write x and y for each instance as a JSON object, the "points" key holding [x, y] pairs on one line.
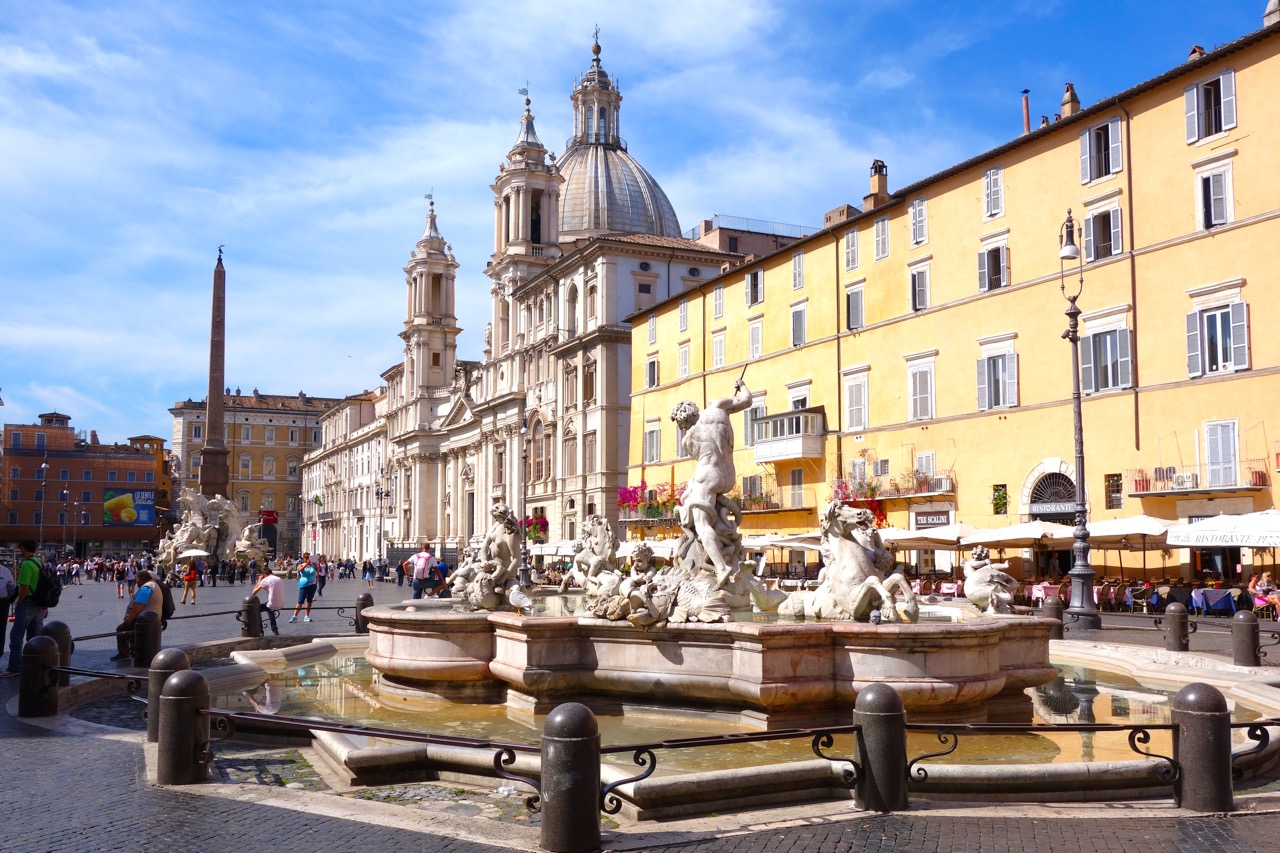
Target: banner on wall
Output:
{"points": [[129, 507]]}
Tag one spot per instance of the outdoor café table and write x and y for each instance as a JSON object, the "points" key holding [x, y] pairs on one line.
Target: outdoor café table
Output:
{"points": [[1039, 592], [915, 586], [1221, 600], [948, 588]]}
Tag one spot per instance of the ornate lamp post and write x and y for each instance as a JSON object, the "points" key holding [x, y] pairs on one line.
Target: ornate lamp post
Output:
{"points": [[44, 487], [75, 525], [1082, 605], [381, 493], [524, 487], [65, 509]]}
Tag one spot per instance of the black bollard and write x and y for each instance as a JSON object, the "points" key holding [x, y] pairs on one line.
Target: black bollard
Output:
{"points": [[61, 635], [363, 600], [882, 747], [1244, 640], [182, 752], [251, 617], [1176, 638], [146, 637], [1202, 748], [37, 683], [570, 780], [163, 665], [1053, 610]]}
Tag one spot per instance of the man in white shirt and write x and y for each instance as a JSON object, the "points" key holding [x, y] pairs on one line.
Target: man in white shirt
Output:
{"points": [[275, 595], [425, 576]]}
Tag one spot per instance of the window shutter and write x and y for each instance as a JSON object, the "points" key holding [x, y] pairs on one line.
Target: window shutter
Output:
{"points": [[919, 290], [1194, 366], [1117, 233], [1011, 379], [797, 328], [853, 309], [1086, 170], [915, 222], [1113, 134], [1086, 365], [856, 406], [1190, 100], [926, 385], [1239, 336], [1218, 198], [983, 402], [746, 287], [1228, 100], [1088, 238], [987, 180], [1124, 362], [1004, 266], [984, 281]]}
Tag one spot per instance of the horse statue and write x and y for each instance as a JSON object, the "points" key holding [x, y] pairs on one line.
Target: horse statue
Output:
{"points": [[595, 560]]}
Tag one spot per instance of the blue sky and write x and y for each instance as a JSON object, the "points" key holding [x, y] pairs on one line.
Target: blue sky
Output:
{"points": [[135, 137]]}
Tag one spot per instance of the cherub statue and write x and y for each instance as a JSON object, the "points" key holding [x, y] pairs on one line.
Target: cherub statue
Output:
{"points": [[986, 584]]}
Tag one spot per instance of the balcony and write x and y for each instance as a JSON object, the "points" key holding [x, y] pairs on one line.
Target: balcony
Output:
{"points": [[1247, 475], [789, 436], [911, 487]]}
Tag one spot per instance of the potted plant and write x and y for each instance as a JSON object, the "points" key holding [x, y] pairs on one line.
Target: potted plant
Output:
{"points": [[1142, 481]]}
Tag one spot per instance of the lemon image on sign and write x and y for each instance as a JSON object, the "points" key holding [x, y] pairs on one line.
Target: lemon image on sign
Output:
{"points": [[129, 515]]}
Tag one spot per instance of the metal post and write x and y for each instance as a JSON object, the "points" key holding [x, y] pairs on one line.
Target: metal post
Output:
{"points": [[163, 665], [1244, 640], [44, 489], [146, 637], [182, 757], [1053, 610], [1202, 748], [570, 780], [61, 635], [37, 686], [251, 617], [363, 600], [524, 512], [1176, 638], [882, 746]]}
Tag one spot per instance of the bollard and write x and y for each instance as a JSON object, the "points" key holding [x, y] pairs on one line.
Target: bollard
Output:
{"points": [[1202, 748], [37, 684], [570, 780], [163, 665], [363, 600], [146, 637], [182, 755], [251, 617], [1176, 638], [61, 635], [1053, 610], [882, 747], [1244, 640]]}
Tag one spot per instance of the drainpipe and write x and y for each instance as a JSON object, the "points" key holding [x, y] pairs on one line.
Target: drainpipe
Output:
{"points": [[1133, 278], [839, 433]]}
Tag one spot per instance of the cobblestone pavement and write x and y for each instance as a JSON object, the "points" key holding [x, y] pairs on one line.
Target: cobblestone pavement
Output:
{"points": [[273, 800]]}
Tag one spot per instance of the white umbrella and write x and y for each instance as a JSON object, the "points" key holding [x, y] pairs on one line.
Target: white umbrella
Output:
{"points": [[1026, 535], [192, 552], [1253, 530], [1136, 532], [929, 538], [798, 541]]}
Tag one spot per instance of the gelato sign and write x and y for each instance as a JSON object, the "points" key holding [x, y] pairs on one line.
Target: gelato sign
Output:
{"points": [[129, 507]]}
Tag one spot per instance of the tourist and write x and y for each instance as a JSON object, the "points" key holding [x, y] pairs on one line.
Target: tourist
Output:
{"points": [[8, 589], [121, 575], [400, 573], [189, 578], [28, 617], [148, 597], [307, 583], [426, 577], [322, 575], [275, 596], [1264, 591]]}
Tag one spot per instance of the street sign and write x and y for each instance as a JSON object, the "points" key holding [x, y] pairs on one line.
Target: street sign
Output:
{"points": [[268, 516]]}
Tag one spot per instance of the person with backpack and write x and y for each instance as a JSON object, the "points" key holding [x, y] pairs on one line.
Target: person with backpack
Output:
{"points": [[148, 597], [28, 619]]}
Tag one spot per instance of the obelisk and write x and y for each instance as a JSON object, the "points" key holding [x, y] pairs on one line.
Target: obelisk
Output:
{"points": [[215, 475]]}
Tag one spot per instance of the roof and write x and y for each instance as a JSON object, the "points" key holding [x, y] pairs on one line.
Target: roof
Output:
{"points": [[606, 189], [272, 402], [665, 242]]}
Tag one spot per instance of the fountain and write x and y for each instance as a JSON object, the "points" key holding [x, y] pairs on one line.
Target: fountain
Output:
{"points": [[668, 639]]}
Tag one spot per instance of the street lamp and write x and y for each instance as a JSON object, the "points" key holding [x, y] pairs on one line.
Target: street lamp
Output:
{"points": [[75, 525], [381, 493], [1082, 605], [44, 487], [524, 487], [65, 507]]}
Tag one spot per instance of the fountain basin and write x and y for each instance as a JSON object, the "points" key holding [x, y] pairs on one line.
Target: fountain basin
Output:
{"points": [[767, 675]]}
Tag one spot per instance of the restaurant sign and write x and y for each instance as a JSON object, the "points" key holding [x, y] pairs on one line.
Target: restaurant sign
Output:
{"points": [[1053, 508], [932, 519]]}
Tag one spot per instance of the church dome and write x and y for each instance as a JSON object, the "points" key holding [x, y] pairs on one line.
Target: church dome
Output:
{"points": [[605, 190]]}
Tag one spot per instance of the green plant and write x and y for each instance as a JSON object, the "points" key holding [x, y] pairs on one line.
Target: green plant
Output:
{"points": [[1000, 499]]}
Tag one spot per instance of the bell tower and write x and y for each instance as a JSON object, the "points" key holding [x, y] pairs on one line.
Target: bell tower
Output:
{"points": [[431, 325]]}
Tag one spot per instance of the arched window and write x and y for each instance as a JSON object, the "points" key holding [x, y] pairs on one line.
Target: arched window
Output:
{"points": [[269, 499], [590, 124], [269, 467], [293, 466], [539, 452], [571, 311]]}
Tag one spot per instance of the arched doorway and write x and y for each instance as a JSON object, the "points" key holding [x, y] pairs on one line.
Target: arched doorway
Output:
{"points": [[1053, 499]]}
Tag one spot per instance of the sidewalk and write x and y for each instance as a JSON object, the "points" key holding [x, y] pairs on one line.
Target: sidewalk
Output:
{"points": [[105, 803]]}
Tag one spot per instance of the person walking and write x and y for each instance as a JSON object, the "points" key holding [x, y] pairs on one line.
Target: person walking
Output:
{"points": [[322, 575], [28, 617], [275, 596], [307, 584], [189, 578]]}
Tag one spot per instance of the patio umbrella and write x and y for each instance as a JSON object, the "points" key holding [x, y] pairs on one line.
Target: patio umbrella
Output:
{"points": [[1252, 530], [1027, 535], [191, 553], [1134, 533], [929, 538]]}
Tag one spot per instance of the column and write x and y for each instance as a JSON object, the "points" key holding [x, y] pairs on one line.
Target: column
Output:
{"points": [[497, 225]]}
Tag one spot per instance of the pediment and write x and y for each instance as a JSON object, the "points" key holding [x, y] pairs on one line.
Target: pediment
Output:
{"points": [[459, 413]]}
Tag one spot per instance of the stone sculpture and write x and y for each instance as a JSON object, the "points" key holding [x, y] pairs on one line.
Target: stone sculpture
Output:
{"points": [[212, 525], [595, 560], [252, 545], [491, 581], [986, 585], [850, 585]]}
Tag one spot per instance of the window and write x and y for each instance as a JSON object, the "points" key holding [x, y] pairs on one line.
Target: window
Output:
{"points": [[291, 503], [13, 516], [16, 441], [64, 474], [1113, 485], [131, 476], [653, 328], [569, 459], [539, 452], [293, 436], [1000, 499], [925, 463], [589, 383], [717, 351], [1220, 450], [797, 325], [1104, 361], [13, 495], [1102, 235], [754, 287], [589, 453], [850, 250], [37, 495], [919, 226], [292, 466], [1211, 106], [652, 443], [921, 389], [112, 476], [684, 361], [37, 517], [246, 433], [1214, 197], [853, 318], [242, 499], [753, 486], [681, 432], [246, 462], [993, 193], [797, 487], [855, 402], [499, 465], [651, 373], [749, 418], [268, 500], [1218, 340], [86, 496], [15, 473], [880, 468], [684, 315], [40, 474], [920, 288], [86, 475], [755, 337], [797, 271], [570, 388], [882, 238], [271, 435], [40, 440], [993, 268], [1100, 151], [150, 477], [197, 431], [998, 381], [315, 436], [717, 301], [269, 467]]}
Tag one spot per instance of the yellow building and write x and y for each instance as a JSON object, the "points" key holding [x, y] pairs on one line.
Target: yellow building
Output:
{"points": [[912, 351]]}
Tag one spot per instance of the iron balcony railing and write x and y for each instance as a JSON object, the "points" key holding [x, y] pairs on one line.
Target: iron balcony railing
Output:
{"points": [[1231, 474]]}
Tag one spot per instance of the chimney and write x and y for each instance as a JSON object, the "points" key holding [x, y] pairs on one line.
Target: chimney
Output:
{"points": [[1272, 13], [1044, 121], [1197, 52], [302, 398], [1026, 112], [843, 213], [879, 186], [93, 436], [1070, 101]]}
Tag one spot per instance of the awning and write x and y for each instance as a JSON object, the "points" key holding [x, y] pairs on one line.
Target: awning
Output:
{"points": [[1026, 535], [1252, 530]]}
